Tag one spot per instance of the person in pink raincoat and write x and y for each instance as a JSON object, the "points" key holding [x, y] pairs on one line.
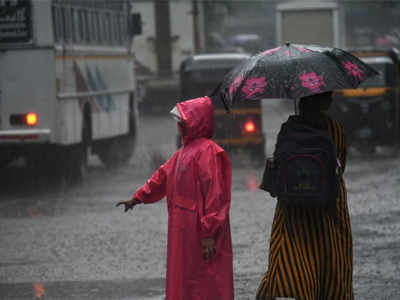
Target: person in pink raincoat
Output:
{"points": [[197, 183]]}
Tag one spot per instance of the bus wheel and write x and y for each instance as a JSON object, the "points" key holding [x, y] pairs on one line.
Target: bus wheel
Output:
{"points": [[116, 151], [5, 162], [6, 157], [76, 157]]}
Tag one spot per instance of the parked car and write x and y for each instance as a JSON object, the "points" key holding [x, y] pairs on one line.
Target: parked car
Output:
{"points": [[217, 43], [249, 42], [241, 129]]}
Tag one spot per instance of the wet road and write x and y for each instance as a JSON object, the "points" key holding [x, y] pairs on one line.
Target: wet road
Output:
{"points": [[71, 242]]}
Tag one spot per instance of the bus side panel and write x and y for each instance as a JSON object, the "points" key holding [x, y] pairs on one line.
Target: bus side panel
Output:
{"points": [[114, 123], [69, 117], [69, 122], [28, 85], [110, 118], [90, 74]]}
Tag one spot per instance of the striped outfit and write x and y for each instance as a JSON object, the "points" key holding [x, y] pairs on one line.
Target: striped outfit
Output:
{"points": [[311, 256]]}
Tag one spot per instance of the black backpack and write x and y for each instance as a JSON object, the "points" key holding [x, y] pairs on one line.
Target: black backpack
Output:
{"points": [[305, 170]]}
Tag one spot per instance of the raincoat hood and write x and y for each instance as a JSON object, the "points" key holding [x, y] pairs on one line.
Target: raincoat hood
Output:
{"points": [[198, 116]]}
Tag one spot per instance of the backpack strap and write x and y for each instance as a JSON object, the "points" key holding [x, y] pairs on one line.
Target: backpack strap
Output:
{"points": [[336, 130]]}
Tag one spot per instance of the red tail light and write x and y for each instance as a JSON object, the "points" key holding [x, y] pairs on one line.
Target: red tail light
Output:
{"points": [[249, 126], [31, 119]]}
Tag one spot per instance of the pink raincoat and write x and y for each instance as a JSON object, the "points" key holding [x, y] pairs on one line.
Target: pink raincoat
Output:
{"points": [[197, 183]]}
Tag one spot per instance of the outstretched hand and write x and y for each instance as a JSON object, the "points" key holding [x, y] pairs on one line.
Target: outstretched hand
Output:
{"points": [[129, 204]]}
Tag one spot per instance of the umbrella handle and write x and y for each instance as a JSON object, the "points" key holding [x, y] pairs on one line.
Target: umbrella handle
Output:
{"points": [[214, 92], [225, 105], [221, 96]]}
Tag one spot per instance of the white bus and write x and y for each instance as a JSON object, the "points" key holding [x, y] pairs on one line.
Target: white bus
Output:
{"points": [[67, 83]]}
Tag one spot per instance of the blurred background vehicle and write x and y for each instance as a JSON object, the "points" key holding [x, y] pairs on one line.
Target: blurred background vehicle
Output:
{"points": [[394, 37], [239, 130], [249, 42], [370, 113], [70, 87], [217, 43]]}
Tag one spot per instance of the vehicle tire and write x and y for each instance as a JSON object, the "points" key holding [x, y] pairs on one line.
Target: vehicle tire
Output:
{"points": [[7, 156], [5, 162], [115, 152], [76, 157]]}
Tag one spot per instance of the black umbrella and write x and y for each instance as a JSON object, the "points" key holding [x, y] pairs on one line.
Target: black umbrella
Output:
{"points": [[293, 71]]}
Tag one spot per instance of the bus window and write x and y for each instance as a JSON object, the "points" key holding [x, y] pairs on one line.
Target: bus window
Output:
{"points": [[83, 27], [73, 29], [123, 29], [106, 28], [107, 21], [86, 35], [67, 26], [112, 29], [117, 29], [98, 28], [78, 21], [91, 32], [92, 28], [58, 24]]}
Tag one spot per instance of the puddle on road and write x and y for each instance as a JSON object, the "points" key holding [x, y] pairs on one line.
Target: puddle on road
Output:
{"points": [[139, 289]]}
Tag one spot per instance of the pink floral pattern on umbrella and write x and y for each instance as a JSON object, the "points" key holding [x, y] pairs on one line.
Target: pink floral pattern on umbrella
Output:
{"points": [[270, 51], [312, 81], [235, 84], [354, 69], [303, 49], [253, 86]]}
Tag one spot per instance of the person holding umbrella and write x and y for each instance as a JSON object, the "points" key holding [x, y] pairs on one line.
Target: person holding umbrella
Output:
{"points": [[197, 183], [310, 255]]}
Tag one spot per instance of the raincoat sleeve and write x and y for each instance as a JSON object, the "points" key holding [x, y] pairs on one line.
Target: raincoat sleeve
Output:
{"points": [[155, 188], [215, 184]]}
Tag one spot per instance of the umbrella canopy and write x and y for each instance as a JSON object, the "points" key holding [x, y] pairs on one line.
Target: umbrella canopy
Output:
{"points": [[293, 71]]}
